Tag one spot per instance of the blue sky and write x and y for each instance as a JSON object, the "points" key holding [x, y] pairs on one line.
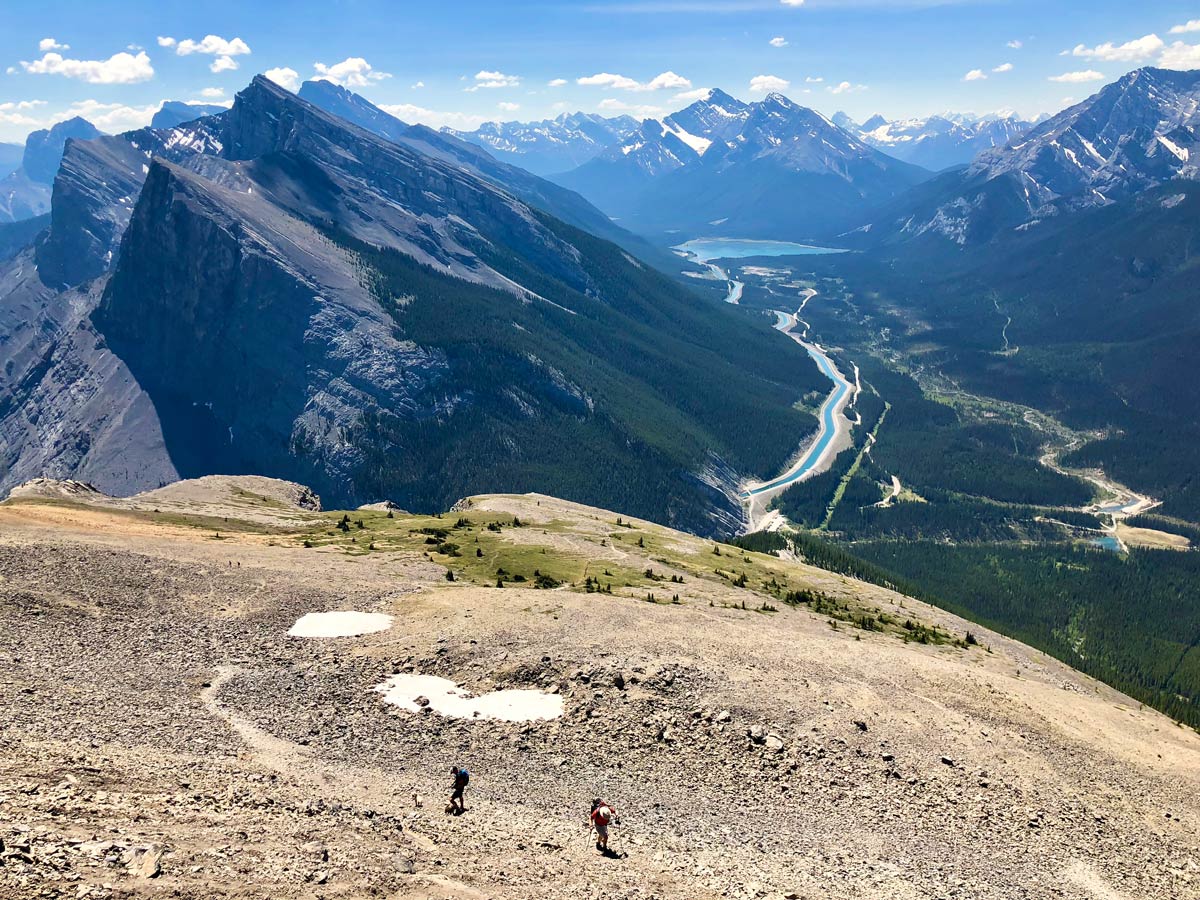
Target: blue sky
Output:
{"points": [[460, 63]]}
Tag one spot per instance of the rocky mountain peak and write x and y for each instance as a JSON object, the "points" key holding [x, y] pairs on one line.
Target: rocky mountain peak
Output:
{"points": [[44, 149]]}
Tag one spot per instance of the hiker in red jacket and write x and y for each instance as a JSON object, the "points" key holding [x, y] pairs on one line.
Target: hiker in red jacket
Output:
{"points": [[602, 816]]}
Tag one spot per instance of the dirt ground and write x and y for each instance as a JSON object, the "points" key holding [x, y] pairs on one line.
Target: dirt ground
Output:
{"points": [[162, 736]]}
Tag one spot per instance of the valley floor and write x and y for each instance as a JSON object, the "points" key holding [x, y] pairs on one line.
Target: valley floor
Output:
{"points": [[163, 736]]}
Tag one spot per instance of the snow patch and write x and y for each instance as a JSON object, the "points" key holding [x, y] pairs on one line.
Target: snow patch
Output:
{"points": [[445, 697], [343, 623]]}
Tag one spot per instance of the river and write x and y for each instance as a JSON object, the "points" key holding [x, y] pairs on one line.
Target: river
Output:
{"points": [[833, 427]]}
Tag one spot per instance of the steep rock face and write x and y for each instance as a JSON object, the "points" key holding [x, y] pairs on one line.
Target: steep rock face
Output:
{"points": [[25, 193], [1136, 133], [44, 149], [251, 333], [69, 407], [96, 188]]}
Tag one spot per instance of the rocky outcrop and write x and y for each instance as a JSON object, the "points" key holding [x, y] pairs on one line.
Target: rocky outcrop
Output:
{"points": [[25, 193], [69, 408]]}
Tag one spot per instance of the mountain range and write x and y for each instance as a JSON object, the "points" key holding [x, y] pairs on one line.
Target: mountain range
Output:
{"points": [[935, 142], [554, 145], [722, 166], [175, 112], [277, 289], [1132, 135]]}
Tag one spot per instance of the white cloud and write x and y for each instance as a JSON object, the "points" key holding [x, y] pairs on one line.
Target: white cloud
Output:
{"points": [[410, 112], [975, 75], [811, 80], [664, 81], [692, 96], [223, 64], [211, 45], [846, 87], [508, 107], [1077, 77], [416, 85], [607, 79], [667, 81], [640, 111], [1187, 27], [792, 2], [1014, 45], [764, 84], [1180, 56], [17, 112], [778, 42], [353, 71], [47, 44], [488, 80], [1003, 67], [166, 41], [1132, 51], [288, 79], [213, 93], [111, 117], [556, 82], [120, 68]]}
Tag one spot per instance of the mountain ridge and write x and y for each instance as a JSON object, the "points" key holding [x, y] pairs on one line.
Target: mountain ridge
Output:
{"points": [[739, 168]]}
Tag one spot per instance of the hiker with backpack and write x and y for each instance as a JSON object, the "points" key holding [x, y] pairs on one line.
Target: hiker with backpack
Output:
{"points": [[461, 779], [601, 817]]}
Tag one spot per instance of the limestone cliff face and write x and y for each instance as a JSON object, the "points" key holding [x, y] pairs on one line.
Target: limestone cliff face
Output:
{"points": [[250, 331]]}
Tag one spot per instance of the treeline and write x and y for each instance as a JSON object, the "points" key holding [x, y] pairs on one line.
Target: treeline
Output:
{"points": [[943, 517], [1131, 621], [929, 446]]}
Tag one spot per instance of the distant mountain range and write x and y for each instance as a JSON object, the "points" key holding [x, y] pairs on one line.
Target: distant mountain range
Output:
{"points": [[25, 193], [767, 169], [1134, 134], [551, 146], [277, 289], [175, 112], [935, 142], [10, 158]]}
